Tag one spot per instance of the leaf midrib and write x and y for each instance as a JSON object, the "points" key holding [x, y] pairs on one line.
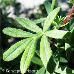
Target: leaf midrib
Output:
{"points": [[45, 49], [16, 49]]}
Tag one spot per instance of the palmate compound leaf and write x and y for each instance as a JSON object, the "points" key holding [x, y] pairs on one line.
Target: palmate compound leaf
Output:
{"points": [[27, 56], [50, 19], [16, 49], [45, 50], [29, 25], [17, 32], [59, 34]]}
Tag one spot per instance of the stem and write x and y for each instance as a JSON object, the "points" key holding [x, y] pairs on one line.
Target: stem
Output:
{"points": [[68, 18], [52, 42], [52, 6]]}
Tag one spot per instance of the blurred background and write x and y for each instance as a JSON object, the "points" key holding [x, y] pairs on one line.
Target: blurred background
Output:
{"points": [[32, 9]]}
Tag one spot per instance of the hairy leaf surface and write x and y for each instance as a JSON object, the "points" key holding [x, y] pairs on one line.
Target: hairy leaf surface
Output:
{"points": [[27, 56], [45, 50], [16, 49], [50, 19], [58, 34], [17, 32], [29, 25]]}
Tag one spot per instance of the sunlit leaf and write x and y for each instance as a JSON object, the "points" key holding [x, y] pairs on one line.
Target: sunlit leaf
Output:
{"points": [[41, 71], [16, 49], [67, 46], [58, 34], [50, 19], [47, 72], [52, 6], [29, 25], [27, 56], [17, 32], [45, 50]]}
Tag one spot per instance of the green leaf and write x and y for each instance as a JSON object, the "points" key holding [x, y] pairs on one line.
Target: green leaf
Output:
{"points": [[45, 50], [29, 25], [17, 32], [67, 46], [50, 19], [39, 20], [27, 56], [67, 49], [47, 6], [47, 72], [51, 65], [16, 49], [71, 39], [37, 61], [41, 71], [71, 26], [53, 3], [63, 60], [58, 34], [37, 52], [64, 70]]}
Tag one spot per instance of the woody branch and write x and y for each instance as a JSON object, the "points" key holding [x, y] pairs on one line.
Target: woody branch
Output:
{"points": [[68, 18]]}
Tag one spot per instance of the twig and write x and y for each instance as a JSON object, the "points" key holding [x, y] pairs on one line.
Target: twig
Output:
{"points": [[68, 18]]}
